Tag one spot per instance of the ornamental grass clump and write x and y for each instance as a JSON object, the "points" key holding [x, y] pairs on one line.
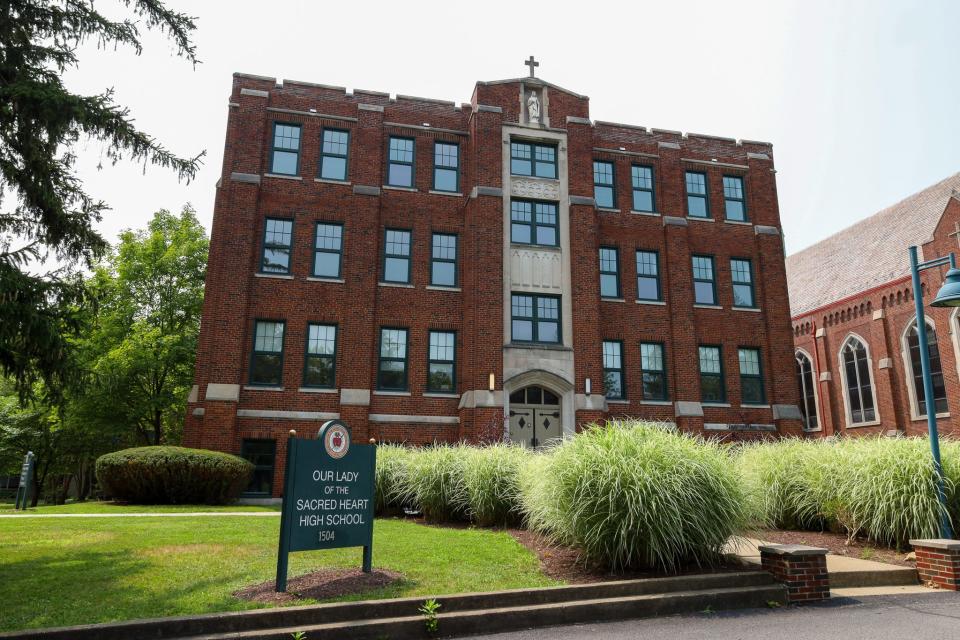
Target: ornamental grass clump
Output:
{"points": [[391, 477], [636, 494], [491, 478], [434, 482], [779, 479]]}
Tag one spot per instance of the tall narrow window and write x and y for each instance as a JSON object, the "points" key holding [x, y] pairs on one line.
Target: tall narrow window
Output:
{"points": [[396, 256], [392, 370], [400, 167], [443, 260], [704, 283], [535, 318], [857, 380], [653, 366], [751, 377], [538, 160], [327, 250], [733, 199], [333, 154], [319, 365], [446, 167], [642, 179], [698, 205], [648, 276], [262, 454], [609, 272], [741, 273], [613, 369], [441, 374], [285, 152], [533, 222], [266, 363], [936, 370], [277, 241], [712, 387], [808, 397], [603, 185]]}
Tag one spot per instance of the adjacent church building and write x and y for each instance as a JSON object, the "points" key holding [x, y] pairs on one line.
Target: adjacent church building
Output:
{"points": [[855, 323], [506, 268]]}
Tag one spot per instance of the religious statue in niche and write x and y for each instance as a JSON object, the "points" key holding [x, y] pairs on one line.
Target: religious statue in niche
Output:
{"points": [[533, 108]]}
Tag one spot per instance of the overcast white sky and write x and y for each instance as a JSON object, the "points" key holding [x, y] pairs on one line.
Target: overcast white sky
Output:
{"points": [[860, 99]]}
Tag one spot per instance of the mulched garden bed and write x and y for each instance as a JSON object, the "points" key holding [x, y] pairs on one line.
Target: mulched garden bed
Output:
{"points": [[564, 563], [319, 585], [836, 543]]}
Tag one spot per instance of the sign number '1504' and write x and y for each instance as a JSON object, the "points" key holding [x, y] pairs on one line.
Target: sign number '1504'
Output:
{"points": [[328, 496]]}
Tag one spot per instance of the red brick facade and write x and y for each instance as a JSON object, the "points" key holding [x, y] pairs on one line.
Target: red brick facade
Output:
{"points": [[880, 316], [489, 269], [938, 563]]}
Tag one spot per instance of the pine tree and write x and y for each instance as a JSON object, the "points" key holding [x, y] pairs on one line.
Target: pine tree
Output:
{"points": [[44, 211]]}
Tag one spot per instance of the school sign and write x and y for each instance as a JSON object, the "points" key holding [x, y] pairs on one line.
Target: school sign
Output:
{"points": [[328, 496]]}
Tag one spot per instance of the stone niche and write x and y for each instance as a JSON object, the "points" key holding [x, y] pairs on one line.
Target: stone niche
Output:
{"points": [[529, 88]]}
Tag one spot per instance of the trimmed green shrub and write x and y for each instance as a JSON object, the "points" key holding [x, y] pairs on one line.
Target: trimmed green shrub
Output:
{"points": [[173, 475], [491, 477], [434, 482], [636, 494], [391, 476]]}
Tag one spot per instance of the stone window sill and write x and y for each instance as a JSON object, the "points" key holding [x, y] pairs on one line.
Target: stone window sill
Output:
{"points": [[873, 423], [253, 387], [700, 219], [612, 300], [281, 176], [923, 418], [319, 279], [399, 285], [537, 345], [441, 395], [436, 287], [652, 214], [720, 405], [658, 303], [275, 276], [707, 306], [657, 403], [455, 194], [607, 210], [744, 405], [749, 309], [536, 247], [742, 223], [392, 393], [617, 401], [345, 183], [410, 189], [317, 390]]}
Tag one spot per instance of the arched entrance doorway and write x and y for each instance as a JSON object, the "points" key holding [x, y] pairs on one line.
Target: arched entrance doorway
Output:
{"points": [[535, 416]]}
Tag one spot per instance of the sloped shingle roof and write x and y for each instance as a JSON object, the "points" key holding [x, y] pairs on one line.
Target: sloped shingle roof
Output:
{"points": [[868, 253]]}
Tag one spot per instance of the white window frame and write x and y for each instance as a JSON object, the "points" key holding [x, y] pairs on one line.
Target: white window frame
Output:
{"points": [[848, 415], [816, 383], [915, 415]]}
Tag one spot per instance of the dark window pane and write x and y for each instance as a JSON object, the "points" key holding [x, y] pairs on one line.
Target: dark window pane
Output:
{"points": [[284, 162], [697, 206], [603, 196], [392, 374], [441, 377], [333, 168], [613, 384], [400, 175], [703, 292], [276, 260], [327, 265], [319, 372], [643, 201], [266, 369], [445, 180], [735, 210], [548, 331], [444, 274], [608, 286], [397, 270], [647, 288]]}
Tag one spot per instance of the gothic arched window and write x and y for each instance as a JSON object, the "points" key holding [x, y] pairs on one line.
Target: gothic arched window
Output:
{"points": [[808, 391], [857, 381], [912, 340]]}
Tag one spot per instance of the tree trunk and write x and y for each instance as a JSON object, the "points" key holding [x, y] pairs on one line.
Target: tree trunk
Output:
{"points": [[157, 426]]}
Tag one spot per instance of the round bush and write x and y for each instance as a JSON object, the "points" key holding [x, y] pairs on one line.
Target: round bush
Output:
{"points": [[391, 476], [634, 494], [491, 478], [173, 475]]}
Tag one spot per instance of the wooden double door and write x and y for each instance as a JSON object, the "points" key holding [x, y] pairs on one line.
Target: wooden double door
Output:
{"points": [[535, 417]]}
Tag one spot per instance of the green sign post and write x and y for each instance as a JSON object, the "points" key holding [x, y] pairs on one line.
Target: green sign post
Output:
{"points": [[327, 496], [26, 482]]}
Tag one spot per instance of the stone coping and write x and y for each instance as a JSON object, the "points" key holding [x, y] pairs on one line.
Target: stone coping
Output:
{"points": [[937, 543], [793, 550]]}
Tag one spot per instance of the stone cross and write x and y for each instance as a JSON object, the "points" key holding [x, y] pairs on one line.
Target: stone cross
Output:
{"points": [[532, 64], [956, 232]]}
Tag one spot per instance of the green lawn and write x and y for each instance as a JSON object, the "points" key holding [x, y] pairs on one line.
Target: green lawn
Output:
{"points": [[69, 571], [92, 506]]}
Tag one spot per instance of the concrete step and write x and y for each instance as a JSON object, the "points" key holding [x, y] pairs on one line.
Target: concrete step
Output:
{"points": [[237, 622], [890, 576], [502, 619]]}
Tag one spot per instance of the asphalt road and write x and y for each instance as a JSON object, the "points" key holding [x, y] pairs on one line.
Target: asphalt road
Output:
{"points": [[911, 616]]}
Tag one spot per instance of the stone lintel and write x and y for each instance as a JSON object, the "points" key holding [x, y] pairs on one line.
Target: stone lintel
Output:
{"points": [[479, 190], [222, 392], [366, 190], [355, 397], [252, 178], [674, 221], [586, 201], [683, 408], [762, 229]]}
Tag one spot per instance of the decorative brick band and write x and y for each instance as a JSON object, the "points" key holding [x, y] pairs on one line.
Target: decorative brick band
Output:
{"points": [[938, 562], [802, 569]]}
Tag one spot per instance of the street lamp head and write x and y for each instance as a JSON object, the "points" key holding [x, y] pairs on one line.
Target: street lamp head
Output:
{"points": [[949, 294]]}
